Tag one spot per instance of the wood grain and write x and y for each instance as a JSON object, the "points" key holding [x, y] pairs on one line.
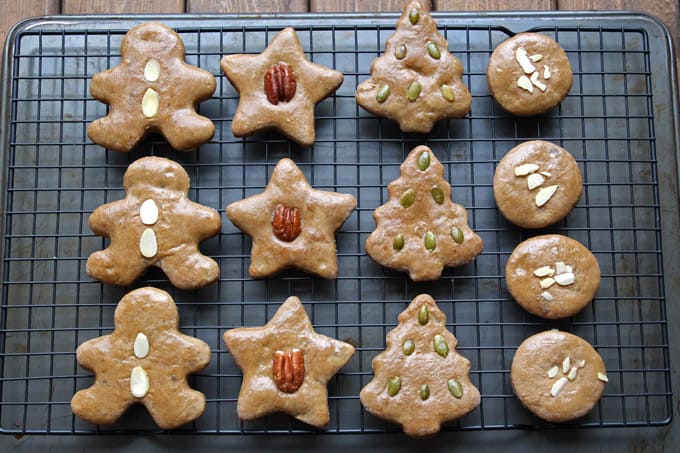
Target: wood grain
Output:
{"points": [[494, 5], [247, 6], [121, 6], [12, 12], [326, 6]]}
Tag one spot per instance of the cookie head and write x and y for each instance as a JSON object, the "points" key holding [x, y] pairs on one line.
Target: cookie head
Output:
{"points": [[163, 174], [139, 305], [151, 39]]}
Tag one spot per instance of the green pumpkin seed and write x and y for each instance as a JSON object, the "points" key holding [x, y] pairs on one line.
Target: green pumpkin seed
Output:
{"points": [[382, 93], [407, 198], [437, 195], [433, 50], [424, 161], [414, 91], [400, 51], [457, 235], [414, 16], [441, 346], [430, 241], [447, 92], [455, 388], [394, 386], [424, 392], [408, 347], [398, 242], [423, 315]]}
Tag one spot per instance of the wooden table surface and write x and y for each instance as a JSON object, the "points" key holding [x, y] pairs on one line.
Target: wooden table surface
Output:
{"points": [[12, 11]]}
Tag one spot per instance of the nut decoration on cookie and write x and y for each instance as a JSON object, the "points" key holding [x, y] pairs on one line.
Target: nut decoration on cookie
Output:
{"points": [[279, 89], [286, 366], [154, 225], [420, 380], [145, 360], [152, 90], [417, 81], [292, 224], [420, 230]]}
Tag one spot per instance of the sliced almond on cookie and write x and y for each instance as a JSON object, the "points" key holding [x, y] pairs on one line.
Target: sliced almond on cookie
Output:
{"points": [[525, 169], [535, 180], [545, 194]]}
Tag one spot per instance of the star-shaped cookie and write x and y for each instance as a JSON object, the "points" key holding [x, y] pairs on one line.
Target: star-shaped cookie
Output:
{"points": [[292, 224], [279, 89], [286, 366]]}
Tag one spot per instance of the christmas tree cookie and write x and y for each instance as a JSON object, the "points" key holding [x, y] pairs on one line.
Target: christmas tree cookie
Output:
{"points": [[417, 81], [420, 381], [420, 230]]}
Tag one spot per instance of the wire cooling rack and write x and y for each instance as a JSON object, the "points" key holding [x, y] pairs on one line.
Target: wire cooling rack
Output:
{"points": [[611, 121]]}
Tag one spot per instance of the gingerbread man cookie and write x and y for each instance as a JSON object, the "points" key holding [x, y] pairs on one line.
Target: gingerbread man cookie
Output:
{"points": [[292, 224], [420, 230], [286, 366], [152, 90], [279, 89], [154, 225], [417, 81], [145, 360], [420, 381]]}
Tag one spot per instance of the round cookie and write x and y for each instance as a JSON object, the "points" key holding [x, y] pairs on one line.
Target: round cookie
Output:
{"points": [[537, 184], [557, 376], [552, 276], [529, 74]]}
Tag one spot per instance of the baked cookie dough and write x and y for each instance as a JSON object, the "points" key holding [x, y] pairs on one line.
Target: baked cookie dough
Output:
{"points": [[420, 380], [529, 74], [292, 224], [420, 230], [279, 89], [154, 225], [552, 276], [152, 90], [536, 184], [286, 366], [145, 360], [557, 376], [417, 81]]}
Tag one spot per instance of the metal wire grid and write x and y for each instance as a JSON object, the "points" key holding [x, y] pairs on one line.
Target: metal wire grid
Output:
{"points": [[56, 177]]}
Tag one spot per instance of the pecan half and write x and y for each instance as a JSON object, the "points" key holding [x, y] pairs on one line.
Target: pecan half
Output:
{"points": [[279, 83], [289, 370], [286, 223]]}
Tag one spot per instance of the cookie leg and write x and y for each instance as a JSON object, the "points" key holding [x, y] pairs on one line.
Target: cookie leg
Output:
{"points": [[115, 266], [99, 405], [186, 130], [184, 406], [188, 268], [116, 132]]}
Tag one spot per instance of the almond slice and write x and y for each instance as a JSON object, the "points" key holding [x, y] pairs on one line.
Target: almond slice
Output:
{"points": [[546, 72], [139, 382], [525, 169], [581, 363], [147, 244], [141, 346], [558, 386], [564, 279], [150, 103], [545, 194], [547, 174], [572, 373], [525, 83], [545, 271], [524, 61], [535, 58], [535, 180], [540, 85], [603, 377], [560, 268], [547, 283], [148, 212], [152, 70], [552, 372], [547, 296], [566, 363]]}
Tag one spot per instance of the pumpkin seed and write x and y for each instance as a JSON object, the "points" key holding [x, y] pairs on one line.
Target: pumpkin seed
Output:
{"points": [[437, 194], [414, 16], [394, 386], [407, 198], [424, 161], [424, 392], [408, 347], [441, 346], [447, 92], [430, 241], [414, 91], [382, 93], [398, 242], [457, 235], [455, 388], [400, 51], [433, 50], [423, 315]]}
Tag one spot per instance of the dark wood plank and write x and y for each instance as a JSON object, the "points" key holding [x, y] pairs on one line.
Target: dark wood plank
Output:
{"points": [[326, 6], [494, 5], [247, 6], [121, 6], [12, 12]]}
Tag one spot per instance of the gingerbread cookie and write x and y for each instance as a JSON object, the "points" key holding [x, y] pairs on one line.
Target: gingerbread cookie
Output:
{"points": [[557, 376], [145, 360], [420, 381], [417, 81], [152, 90], [529, 74], [292, 224], [552, 276], [536, 184], [420, 230], [279, 89], [154, 225], [286, 366]]}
